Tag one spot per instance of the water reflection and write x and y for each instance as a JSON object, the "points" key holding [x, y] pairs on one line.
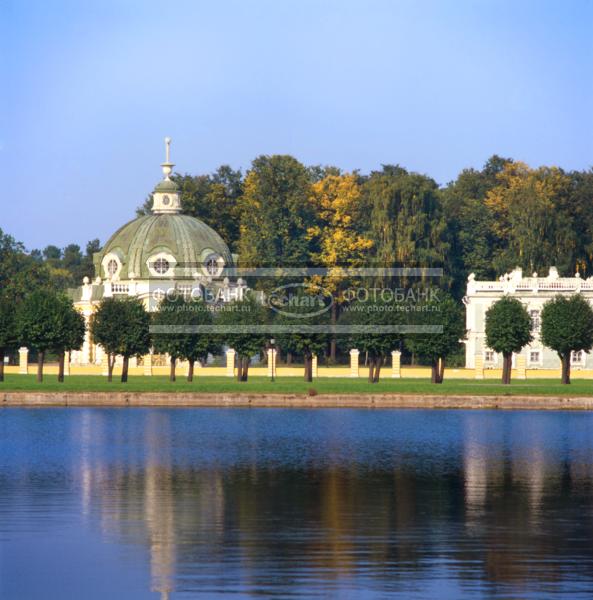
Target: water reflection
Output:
{"points": [[281, 503]]}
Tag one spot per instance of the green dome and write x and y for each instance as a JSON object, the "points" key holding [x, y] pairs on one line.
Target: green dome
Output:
{"points": [[188, 240], [166, 185]]}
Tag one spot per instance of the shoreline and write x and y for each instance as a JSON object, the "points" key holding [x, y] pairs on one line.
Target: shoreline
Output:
{"points": [[255, 400]]}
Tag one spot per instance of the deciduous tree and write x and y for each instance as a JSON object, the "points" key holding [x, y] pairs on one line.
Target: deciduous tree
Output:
{"points": [[242, 322], [373, 326], [121, 326], [442, 313], [178, 321], [508, 330], [305, 318], [567, 326], [48, 321]]}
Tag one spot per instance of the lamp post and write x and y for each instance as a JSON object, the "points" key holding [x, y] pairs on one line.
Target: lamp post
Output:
{"points": [[272, 346]]}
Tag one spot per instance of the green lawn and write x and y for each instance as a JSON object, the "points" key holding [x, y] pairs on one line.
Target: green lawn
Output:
{"points": [[86, 383]]}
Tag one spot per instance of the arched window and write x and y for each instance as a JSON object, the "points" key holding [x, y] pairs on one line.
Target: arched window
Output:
{"points": [[212, 266], [112, 267]]}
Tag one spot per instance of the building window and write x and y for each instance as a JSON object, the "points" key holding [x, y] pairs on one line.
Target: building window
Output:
{"points": [[489, 356], [577, 357], [212, 265], [112, 267], [534, 356], [536, 320], [161, 265]]}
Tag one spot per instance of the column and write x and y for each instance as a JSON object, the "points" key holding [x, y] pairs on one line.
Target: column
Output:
{"points": [[87, 344], [521, 366], [396, 357], [230, 362], [479, 366], [105, 364], [314, 366], [272, 361], [23, 360], [147, 360], [354, 363], [66, 363]]}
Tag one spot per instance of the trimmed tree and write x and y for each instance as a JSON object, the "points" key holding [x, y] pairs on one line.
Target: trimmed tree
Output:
{"points": [[373, 327], [121, 326], [8, 331], [48, 321], [440, 312], [303, 316], [180, 342], [241, 322], [567, 326], [508, 330], [71, 336]]}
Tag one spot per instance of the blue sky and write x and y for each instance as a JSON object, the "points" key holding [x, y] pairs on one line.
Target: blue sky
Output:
{"points": [[90, 88]]}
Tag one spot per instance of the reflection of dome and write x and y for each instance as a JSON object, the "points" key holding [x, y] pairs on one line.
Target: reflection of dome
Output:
{"points": [[174, 238]]}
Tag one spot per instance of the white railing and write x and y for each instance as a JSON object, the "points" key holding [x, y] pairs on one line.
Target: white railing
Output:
{"points": [[120, 288], [565, 284]]}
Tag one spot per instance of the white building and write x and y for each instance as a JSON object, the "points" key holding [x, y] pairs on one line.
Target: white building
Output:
{"points": [[533, 292]]}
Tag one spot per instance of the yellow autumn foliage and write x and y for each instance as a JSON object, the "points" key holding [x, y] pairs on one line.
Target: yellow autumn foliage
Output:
{"points": [[336, 200]]}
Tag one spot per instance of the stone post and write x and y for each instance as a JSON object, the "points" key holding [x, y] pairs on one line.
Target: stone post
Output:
{"points": [[230, 362], [354, 362], [479, 368], [272, 361], [23, 360], [66, 363], [396, 357], [147, 360], [314, 366], [521, 367]]}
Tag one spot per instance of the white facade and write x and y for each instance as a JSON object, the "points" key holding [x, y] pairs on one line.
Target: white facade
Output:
{"points": [[533, 292]]}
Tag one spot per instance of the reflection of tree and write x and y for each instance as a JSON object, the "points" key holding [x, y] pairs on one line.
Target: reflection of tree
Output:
{"points": [[502, 509]]}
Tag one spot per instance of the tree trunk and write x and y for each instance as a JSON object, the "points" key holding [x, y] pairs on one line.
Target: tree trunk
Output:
{"points": [[332, 344], [506, 368], [288, 359], [308, 368], [434, 370], [2, 364], [378, 363], [565, 368], [124, 369], [172, 372], [110, 365], [61, 359], [371, 370], [442, 370], [239, 368], [245, 368], [190, 370], [40, 359]]}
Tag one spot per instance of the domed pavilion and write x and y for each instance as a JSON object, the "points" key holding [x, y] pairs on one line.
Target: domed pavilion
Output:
{"points": [[154, 254]]}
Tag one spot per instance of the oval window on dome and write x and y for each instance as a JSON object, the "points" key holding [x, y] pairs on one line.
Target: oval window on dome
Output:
{"points": [[213, 265], [112, 267], [161, 265]]}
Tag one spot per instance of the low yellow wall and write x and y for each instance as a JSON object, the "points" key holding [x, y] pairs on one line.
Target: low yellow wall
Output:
{"points": [[341, 371]]}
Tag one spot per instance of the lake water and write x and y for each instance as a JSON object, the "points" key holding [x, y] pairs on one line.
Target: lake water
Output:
{"points": [[175, 503]]}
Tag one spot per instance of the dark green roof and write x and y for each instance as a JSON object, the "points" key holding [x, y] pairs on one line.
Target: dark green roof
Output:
{"points": [[186, 238], [166, 185]]}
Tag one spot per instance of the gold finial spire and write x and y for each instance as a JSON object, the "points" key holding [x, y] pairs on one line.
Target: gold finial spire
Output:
{"points": [[167, 165]]}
